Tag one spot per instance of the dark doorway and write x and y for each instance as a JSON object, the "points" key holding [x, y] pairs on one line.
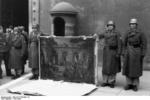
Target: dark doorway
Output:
{"points": [[15, 13], [59, 26]]}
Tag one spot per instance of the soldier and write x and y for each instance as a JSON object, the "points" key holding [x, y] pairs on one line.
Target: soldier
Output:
{"points": [[135, 45], [25, 56], [111, 55], [8, 33], [33, 51], [4, 52], [11, 28], [6, 55], [16, 52], [2, 43]]}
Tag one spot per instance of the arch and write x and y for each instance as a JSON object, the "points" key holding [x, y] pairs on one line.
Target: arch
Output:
{"points": [[64, 8], [59, 26]]}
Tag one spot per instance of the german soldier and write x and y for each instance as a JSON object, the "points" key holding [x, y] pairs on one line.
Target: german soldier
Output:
{"points": [[33, 51], [25, 56], [16, 52], [111, 54], [135, 45], [4, 52]]}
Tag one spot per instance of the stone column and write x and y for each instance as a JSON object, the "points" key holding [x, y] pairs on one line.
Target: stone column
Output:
{"points": [[0, 12], [34, 13]]}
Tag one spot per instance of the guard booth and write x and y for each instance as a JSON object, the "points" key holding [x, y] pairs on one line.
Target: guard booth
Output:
{"points": [[64, 17], [64, 55]]}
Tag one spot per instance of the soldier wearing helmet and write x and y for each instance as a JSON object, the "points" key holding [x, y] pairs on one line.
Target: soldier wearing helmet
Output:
{"points": [[4, 52], [17, 51], [25, 56], [111, 54], [135, 45], [33, 51]]}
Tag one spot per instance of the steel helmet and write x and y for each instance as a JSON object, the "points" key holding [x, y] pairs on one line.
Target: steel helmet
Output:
{"points": [[110, 22], [133, 21]]}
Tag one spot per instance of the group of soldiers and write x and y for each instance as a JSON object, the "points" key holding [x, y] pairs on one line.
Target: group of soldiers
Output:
{"points": [[16, 47], [131, 47], [13, 50]]}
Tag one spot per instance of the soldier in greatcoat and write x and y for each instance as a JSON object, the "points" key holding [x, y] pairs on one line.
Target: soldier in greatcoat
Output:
{"points": [[4, 52], [16, 52], [25, 56], [111, 54], [135, 44], [33, 51]]}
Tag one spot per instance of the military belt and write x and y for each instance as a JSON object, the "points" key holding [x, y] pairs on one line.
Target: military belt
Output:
{"points": [[135, 46]]}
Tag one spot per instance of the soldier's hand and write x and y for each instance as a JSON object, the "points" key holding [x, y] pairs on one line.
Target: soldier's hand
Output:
{"points": [[53, 35], [84, 37], [95, 35]]}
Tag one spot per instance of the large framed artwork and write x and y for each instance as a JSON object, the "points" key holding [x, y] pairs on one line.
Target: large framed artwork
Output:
{"points": [[71, 58]]}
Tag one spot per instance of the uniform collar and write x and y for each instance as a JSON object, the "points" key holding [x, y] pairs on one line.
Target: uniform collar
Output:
{"points": [[135, 30], [111, 31]]}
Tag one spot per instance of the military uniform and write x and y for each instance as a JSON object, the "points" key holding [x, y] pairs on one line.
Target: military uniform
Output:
{"points": [[34, 53], [4, 52], [134, 52], [111, 56], [25, 56], [16, 53], [135, 45]]}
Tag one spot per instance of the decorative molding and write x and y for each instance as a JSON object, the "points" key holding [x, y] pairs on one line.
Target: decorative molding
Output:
{"points": [[34, 13]]}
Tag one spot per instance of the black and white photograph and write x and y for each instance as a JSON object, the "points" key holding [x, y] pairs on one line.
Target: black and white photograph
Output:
{"points": [[74, 48]]}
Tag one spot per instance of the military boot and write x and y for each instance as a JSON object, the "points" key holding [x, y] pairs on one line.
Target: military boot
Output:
{"points": [[128, 87], [135, 88], [1, 76], [104, 84]]}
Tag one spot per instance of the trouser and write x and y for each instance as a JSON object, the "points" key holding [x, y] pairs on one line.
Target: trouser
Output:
{"points": [[110, 79], [18, 72], [5, 56], [24, 62], [35, 71], [0, 71], [132, 81], [6, 61], [23, 68]]}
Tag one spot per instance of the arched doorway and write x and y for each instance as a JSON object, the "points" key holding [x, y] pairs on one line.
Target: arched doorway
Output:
{"points": [[59, 26]]}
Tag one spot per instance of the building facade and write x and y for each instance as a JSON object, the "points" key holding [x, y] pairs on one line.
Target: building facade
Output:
{"points": [[91, 17]]}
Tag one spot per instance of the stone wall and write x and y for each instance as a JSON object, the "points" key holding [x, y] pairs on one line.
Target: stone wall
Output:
{"points": [[93, 14]]}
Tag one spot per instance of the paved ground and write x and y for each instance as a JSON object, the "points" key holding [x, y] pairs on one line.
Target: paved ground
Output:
{"points": [[144, 89], [8, 79]]}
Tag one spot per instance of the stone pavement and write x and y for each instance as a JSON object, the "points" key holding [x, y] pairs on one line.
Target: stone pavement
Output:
{"points": [[8, 79], [144, 88]]}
